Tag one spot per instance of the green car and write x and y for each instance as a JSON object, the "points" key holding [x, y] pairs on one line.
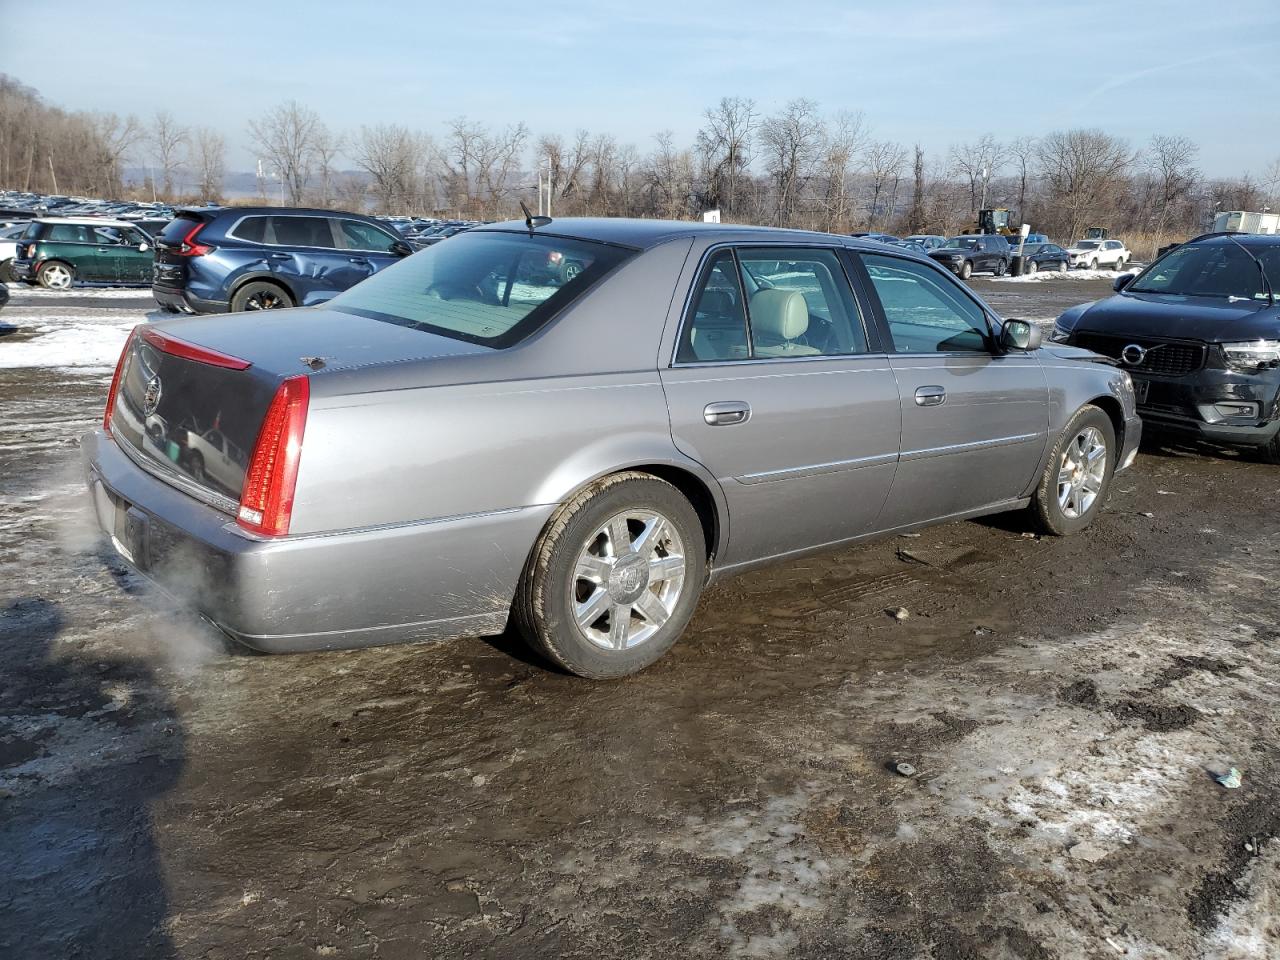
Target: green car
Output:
{"points": [[57, 251]]}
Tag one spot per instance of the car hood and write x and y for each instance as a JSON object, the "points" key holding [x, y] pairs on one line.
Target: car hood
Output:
{"points": [[1179, 317], [1064, 352], [950, 251]]}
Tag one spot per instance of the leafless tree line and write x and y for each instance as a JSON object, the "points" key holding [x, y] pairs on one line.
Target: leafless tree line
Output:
{"points": [[793, 167]]}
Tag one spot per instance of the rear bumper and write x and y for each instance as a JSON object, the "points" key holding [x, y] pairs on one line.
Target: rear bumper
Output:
{"points": [[23, 270], [421, 581], [182, 300]]}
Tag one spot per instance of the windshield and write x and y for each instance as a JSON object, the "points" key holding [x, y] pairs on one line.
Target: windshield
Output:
{"points": [[964, 243], [1211, 270], [484, 287], [1088, 245]]}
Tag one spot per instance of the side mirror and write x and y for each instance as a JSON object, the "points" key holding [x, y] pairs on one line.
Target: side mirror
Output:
{"points": [[401, 249], [1020, 335], [143, 247], [1123, 281]]}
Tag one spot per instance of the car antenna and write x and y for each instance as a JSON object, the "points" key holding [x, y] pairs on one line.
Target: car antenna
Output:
{"points": [[1266, 283], [530, 220]]}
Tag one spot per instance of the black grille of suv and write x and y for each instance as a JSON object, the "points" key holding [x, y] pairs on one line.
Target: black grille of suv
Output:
{"points": [[1168, 358]]}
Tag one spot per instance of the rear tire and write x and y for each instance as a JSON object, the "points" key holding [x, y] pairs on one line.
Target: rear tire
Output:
{"points": [[56, 275], [603, 608], [1078, 475], [260, 295], [6, 271], [966, 271]]}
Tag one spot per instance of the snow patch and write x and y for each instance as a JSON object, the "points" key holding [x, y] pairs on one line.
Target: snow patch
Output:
{"points": [[1065, 275], [86, 342]]}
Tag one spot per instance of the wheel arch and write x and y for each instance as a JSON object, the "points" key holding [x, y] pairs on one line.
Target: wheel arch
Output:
{"points": [[1115, 413], [261, 277]]}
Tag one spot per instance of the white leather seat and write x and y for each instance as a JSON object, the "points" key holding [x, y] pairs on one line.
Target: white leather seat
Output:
{"points": [[778, 319]]}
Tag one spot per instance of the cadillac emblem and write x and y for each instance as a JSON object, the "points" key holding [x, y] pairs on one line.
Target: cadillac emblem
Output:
{"points": [[151, 396]]}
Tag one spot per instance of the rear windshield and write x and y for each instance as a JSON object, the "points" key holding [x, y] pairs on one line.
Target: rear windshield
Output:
{"points": [[488, 288], [1212, 270], [178, 228]]}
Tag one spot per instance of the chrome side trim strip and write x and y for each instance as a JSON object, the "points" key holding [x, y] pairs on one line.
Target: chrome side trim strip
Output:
{"points": [[965, 447], [816, 469]]}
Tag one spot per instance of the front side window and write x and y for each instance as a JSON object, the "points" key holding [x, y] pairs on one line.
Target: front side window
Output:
{"points": [[926, 310], [362, 236], [488, 287], [108, 236]]}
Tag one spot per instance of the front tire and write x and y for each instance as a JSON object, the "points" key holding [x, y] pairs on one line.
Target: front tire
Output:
{"points": [[1001, 268], [1029, 268], [259, 295], [56, 275], [6, 271], [966, 271], [1078, 475], [615, 577]]}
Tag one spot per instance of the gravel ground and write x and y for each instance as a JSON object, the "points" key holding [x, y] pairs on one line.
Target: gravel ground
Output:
{"points": [[1062, 703]]}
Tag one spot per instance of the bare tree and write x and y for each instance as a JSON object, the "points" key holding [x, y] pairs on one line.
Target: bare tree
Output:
{"points": [[1170, 162], [285, 137], [168, 140], [1022, 152], [978, 162], [846, 141], [724, 148], [115, 136], [1085, 170], [390, 155], [670, 178], [916, 218], [884, 166], [209, 156], [328, 147], [791, 141]]}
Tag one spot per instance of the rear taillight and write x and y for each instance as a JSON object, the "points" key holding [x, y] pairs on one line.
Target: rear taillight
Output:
{"points": [[192, 351], [266, 503], [188, 246], [115, 381]]}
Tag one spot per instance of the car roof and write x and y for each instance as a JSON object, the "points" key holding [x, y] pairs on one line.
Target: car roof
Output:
{"points": [[86, 221], [643, 234], [1267, 239], [272, 211]]}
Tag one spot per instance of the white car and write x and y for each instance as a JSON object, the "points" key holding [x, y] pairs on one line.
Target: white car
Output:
{"points": [[1095, 254], [9, 237]]}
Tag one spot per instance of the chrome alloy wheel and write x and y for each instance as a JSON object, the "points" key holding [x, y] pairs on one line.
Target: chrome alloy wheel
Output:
{"points": [[1080, 475], [56, 277], [628, 579]]}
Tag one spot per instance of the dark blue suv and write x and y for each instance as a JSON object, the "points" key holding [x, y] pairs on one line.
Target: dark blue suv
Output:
{"points": [[215, 260]]}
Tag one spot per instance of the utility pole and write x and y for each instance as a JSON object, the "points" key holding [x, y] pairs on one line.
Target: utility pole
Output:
{"points": [[985, 175], [53, 173]]}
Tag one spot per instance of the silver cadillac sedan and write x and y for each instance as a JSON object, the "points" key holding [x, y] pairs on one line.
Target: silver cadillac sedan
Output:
{"points": [[579, 425]]}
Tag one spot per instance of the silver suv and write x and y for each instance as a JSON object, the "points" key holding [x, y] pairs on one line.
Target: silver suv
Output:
{"points": [[461, 438]]}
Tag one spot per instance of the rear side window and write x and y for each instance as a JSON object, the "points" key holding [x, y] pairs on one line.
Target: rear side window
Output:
{"points": [[491, 287], [775, 302], [302, 232], [363, 236], [69, 233], [717, 328], [252, 229]]}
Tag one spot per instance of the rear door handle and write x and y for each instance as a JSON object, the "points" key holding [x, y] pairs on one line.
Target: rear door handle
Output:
{"points": [[930, 396], [359, 260], [726, 413], [281, 256]]}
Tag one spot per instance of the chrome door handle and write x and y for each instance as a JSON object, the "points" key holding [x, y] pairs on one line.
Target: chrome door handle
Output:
{"points": [[930, 396], [281, 256], [725, 413]]}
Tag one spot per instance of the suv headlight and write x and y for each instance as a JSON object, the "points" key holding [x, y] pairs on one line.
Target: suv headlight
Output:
{"points": [[1252, 354], [1061, 333]]}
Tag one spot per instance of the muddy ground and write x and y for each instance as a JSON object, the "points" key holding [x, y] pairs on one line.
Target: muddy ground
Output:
{"points": [[1061, 701]]}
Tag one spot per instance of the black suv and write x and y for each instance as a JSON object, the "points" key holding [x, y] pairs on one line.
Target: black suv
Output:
{"points": [[973, 253], [1199, 332], [211, 260]]}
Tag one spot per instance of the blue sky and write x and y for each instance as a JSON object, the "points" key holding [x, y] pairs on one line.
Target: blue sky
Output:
{"points": [[929, 71]]}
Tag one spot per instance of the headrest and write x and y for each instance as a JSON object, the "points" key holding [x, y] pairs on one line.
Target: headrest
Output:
{"points": [[782, 314]]}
